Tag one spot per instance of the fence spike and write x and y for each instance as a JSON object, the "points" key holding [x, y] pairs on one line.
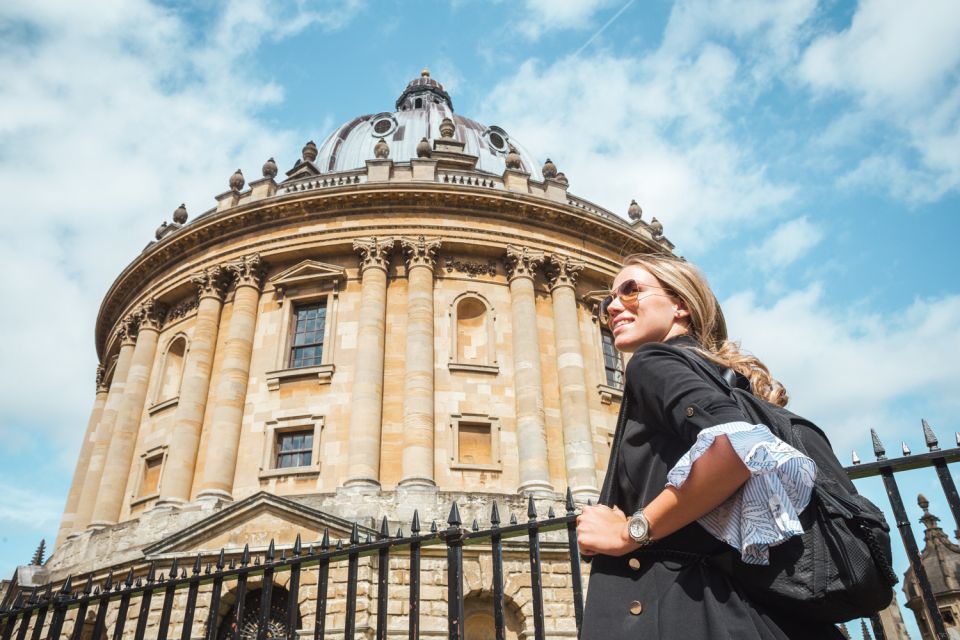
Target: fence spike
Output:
{"points": [[151, 572], [297, 546], [399, 532], [256, 561], [173, 569], [88, 585], [904, 448], [283, 556], [128, 581], [96, 591], [855, 459], [433, 526], [551, 513], [309, 549], [245, 558], [220, 560], [139, 582], [531, 508], [109, 584], [476, 525], [355, 534], [384, 528], [67, 586], [208, 569], [571, 507], [325, 542], [271, 551], [929, 437], [513, 518], [878, 450], [495, 514], [233, 564], [162, 576], [197, 564], [368, 539], [415, 525], [454, 518], [339, 544]]}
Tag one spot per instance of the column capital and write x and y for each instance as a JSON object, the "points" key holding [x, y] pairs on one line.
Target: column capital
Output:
{"points": [[248, 271], [374, 252], [420, 251], [101, 379], [522, 262], [211, 282], [151, 314], [562, 271], [127, 332]]}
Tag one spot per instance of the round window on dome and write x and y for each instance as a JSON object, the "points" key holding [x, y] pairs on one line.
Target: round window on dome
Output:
{"points": [[497, 140], [383, 125]]}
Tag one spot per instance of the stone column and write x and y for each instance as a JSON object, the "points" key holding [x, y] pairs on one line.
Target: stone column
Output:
{"points": [[418, 422], [116, 471], [104, 430], [184, 442], [521, 264], [574, 410], [230, 396], [363, 467], [68, 525]]}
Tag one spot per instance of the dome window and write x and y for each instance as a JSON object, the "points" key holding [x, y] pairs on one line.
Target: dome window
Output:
{"points": [[497, 140], [383, 125]]}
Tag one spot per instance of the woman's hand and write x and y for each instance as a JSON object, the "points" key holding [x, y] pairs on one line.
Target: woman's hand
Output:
{"points": [[602, 529]]}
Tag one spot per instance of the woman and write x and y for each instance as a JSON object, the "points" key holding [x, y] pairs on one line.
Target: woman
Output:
{"points": [[671, 501]]}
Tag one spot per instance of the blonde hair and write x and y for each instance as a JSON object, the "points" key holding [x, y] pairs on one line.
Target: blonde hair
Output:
{"points": [[706, 322]]}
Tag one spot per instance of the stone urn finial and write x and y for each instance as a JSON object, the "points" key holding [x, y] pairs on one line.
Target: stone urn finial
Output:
{"points": [[180, 214], [237, 181], [270, 169], [447, 128], [634, 211], [513, 159], [656, 228], [549, 170], [423, 148], [381, 149], [162, 230], [310, 151], [562, 179]]}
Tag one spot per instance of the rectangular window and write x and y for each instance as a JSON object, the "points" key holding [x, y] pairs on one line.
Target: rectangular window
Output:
{"points": [[151, 476], [294, 449], [306, 348], [612, 363], [474, 443]]}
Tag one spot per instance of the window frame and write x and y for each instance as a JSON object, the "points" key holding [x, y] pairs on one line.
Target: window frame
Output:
{"points": [[496, 459], [319, 303], [160, 403], [159, 451], [608, 394], [491, 365], [276, 427]]}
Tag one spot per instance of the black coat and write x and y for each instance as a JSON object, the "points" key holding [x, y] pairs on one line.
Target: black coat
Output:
{"points": [[679, 593]]}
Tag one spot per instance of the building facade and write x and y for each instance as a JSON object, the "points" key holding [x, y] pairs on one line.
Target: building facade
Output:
{"points": [[405, 319]]}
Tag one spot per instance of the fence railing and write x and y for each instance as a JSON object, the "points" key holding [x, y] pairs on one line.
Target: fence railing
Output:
{"points": [[117, 602]]}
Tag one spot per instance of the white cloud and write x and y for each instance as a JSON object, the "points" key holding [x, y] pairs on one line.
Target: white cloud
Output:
{"points": [[900, 62], [540, 16], [114, 116], [786, 244], [852, 369], [28, 509]]}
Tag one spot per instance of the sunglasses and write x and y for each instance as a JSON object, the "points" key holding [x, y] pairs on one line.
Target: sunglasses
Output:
{"points": [[627, 292]]}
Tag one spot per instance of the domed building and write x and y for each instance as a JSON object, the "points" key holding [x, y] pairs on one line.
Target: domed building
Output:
{"points": [[405, 320]]}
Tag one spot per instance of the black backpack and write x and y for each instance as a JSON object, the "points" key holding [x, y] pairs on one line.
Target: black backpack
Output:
{"points": [[840, 568]]}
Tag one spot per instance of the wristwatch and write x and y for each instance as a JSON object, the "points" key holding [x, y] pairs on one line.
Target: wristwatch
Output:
{"points": [[638, 528]]}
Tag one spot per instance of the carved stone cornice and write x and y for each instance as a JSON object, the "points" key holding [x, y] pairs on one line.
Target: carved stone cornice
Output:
{"points": [[181, 309], [211, 282], [101, 379], [374, 252], [248, 271], [151, 314], [420, 251], [562, 271], [472, 269], [522, 262]]}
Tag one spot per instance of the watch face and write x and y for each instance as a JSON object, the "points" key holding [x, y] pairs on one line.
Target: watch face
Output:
{"points": [[638, 528]]}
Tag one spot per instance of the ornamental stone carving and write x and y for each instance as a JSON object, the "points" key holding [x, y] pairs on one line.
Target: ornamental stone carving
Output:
{"points": [[656, 228], [151, 314], [447, 128], [210, 283], [522, 262], [270, 169], [634, 211], [101, 379], [562, 271], [237, 181], [310, 151], [247, 271], [472, 269], [549, 170], [180, 214], [420, 251], [127, 333], [374, 252], [180, 310], [381, 149], [423, 148], [513, 159]]}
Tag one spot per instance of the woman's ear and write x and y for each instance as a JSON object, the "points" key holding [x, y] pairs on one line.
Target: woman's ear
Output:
{"points": [[680, 309]]}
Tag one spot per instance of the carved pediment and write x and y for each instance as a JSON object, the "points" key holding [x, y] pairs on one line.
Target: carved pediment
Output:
{"points": [[255, 521], [307, 272]]}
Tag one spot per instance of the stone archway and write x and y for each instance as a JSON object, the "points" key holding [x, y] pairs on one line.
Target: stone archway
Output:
{"points": [[478, 620], [250, 621]]}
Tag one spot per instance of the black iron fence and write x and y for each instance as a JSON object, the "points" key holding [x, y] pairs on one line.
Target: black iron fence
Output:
{"points": [[111, 607]]}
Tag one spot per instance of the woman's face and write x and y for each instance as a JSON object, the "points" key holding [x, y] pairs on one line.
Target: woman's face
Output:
{"points": [[655, 316]]}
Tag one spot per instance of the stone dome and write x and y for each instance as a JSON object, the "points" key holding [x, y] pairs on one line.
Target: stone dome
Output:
{"points": [[420, 109]]}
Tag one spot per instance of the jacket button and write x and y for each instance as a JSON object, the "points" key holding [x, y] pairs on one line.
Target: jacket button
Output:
{"points": [[634, 563], [689, 412], [636, 608]]}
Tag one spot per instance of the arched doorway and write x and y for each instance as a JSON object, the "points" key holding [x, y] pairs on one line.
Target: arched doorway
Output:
{"points": [[478, 620], [250, 621]]}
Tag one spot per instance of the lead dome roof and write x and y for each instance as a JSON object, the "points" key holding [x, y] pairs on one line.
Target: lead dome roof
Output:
{"points": [[421, 107]]}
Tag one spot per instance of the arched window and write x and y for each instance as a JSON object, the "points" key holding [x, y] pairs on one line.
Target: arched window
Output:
{"points": [[472, 338], [612, 362], [172, 373], [418, 103]]}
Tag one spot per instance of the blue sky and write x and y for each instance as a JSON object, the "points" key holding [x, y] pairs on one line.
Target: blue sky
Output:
{"points": [[806, 154]]}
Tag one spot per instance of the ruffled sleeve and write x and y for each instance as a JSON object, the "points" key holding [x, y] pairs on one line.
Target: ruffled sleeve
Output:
{"points": [[766, 510]]}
